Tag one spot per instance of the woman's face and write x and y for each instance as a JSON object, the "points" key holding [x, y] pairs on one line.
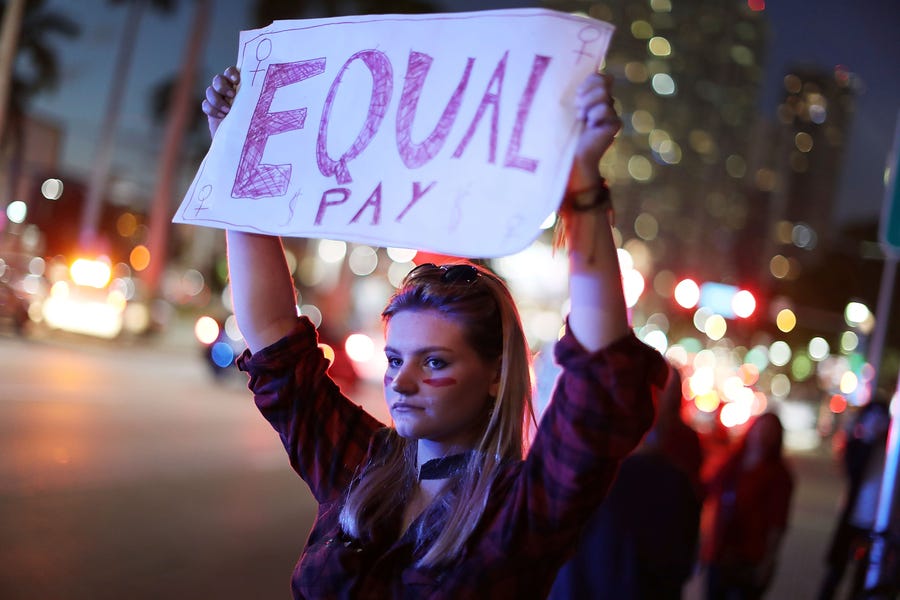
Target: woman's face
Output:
{"points": [[437, 388]]}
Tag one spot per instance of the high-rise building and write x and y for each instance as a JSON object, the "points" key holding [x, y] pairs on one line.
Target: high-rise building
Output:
{"points": [[807, 151], [688, 76]]}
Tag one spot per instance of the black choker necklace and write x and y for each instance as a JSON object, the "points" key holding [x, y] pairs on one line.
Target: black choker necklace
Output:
{"points": [[444, 467]]}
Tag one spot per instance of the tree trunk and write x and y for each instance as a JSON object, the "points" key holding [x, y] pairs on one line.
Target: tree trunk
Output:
{"points": [[90, 217], [9, 39], [176, 125]]}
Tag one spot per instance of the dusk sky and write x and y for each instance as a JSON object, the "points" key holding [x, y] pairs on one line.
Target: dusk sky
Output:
{"points": [[861, 36]]}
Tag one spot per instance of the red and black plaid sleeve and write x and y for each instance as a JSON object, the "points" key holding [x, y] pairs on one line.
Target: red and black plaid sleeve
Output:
{"points": [[326, 436]]}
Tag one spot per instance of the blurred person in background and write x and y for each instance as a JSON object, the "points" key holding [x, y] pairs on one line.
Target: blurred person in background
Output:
{"points": [[641, 544], [746, 514], [863, 457], [449, 499]]}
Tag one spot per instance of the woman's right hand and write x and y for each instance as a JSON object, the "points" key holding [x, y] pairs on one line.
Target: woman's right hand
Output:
{"points": [[219, 96]]}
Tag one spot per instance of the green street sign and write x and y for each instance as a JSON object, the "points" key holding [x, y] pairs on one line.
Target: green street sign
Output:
{"points": [[890, 214]]}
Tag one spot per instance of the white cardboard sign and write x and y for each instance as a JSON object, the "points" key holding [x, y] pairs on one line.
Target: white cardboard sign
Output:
{"points": [[452, 133]]}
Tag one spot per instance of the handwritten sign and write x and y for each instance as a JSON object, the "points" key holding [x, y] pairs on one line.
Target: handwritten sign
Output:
{"points": [[452, 133]]}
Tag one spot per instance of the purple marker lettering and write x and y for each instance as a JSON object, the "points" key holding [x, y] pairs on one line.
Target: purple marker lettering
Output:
{"points": [[324, 203], [538, 68], [415, 155], [418, 192], [382, 84], [491, 99], [253, 179], [373, 201]]}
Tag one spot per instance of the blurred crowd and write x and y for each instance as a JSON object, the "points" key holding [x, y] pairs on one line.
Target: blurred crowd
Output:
{"points": [[684, 506]]}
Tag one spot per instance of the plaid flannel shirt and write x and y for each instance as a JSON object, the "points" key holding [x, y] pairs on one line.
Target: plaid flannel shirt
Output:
{"points": [[601, 407]]}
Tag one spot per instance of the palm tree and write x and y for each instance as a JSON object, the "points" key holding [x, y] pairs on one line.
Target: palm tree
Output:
{"points": [[103, 158], [39, 72], [181, 105]]}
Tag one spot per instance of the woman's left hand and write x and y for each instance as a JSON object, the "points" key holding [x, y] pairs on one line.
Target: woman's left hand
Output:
{"points": [[594, 103]]}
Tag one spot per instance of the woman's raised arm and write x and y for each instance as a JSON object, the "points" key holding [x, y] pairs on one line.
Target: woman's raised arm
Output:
{"points": [[598, 315], [262, 288]]}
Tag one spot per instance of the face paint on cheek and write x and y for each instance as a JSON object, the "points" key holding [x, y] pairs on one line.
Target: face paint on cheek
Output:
{"points": [[388, 380], [439, 381]]}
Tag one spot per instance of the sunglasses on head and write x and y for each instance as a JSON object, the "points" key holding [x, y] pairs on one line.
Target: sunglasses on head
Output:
{"points": [[450, 273]]}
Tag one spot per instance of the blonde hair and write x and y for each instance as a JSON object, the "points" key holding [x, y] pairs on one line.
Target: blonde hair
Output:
{"points": [[485, 309]]}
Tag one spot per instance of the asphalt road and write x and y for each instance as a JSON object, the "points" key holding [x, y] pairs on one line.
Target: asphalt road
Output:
{"points": [[126, 472]]}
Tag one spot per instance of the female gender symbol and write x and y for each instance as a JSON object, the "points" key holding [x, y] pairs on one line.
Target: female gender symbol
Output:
{"points": [[588, 35], [203, 196], [263, 51]]}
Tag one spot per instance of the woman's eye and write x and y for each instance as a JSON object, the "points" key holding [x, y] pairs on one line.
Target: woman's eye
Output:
{"points": [[394, 362], [436, 363]]}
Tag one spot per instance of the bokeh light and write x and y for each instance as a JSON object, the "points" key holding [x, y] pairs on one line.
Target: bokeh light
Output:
{"points": [[749, 373], [363, 260], [715, 327], [687, 293], [837, 404], [640, 168], [786, 320], [708, 402], [52, 189], [663, 84], [849, 341], [856, 313], [139, 258], [849, 382], [90, 273], [359, 347], [126, 224], [633, 286], [206, 329], [734, 413], [401, 255], [818, 348], [743, 303], [659, 46], [16, 211], [779, 353], [780, 385], [332, 251]]}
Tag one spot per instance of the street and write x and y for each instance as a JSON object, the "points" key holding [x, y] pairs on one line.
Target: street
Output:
{"points": [[127, 472]]}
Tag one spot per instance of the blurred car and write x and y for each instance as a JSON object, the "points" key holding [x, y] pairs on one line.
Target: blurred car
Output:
{"points": [[13, 307], [84, 301], [221, 343]]}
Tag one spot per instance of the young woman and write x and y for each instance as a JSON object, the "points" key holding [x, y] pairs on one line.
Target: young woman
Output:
{"points": [[446, 502]]}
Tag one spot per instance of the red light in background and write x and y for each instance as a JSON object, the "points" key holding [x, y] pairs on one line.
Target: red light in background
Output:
{"points": [[837, 404], [756, 5]]}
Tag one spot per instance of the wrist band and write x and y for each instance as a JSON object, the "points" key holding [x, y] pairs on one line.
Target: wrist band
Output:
{"points": [[590, 198]]}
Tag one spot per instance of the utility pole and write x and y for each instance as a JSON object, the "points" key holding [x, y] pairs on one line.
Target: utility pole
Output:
{"points": [[880, 582]]}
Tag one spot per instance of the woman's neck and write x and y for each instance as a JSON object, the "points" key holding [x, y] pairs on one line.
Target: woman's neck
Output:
{"points": [[422, 497], [428, 450]]}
